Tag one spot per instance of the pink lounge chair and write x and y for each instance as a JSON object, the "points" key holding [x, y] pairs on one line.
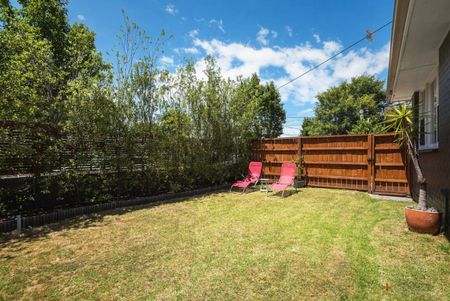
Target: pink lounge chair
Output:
{"points": [[254, 172], [287, 177]]}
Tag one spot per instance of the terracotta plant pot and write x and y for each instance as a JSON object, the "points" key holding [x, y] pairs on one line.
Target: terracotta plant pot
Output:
{"points": [[423, 221]]}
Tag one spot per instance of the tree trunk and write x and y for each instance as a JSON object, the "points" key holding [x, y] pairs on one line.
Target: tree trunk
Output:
{"points": [[422, 202]]}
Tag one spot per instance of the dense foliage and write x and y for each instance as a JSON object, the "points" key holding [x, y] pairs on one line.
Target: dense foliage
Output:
{"points": [[354, 107], [89, 132]]}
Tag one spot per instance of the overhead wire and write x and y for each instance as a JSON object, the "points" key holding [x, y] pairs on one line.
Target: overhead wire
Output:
{"points": [[368, 36]]}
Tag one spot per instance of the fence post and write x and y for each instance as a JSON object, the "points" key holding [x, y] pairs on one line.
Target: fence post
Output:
{"points": [[300, 160], [370, 163], [19, 222]]}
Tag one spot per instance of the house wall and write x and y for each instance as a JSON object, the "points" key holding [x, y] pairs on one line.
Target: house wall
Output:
{"points": [[436, 163]]}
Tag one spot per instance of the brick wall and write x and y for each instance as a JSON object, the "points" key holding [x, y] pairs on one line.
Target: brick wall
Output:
{"points": [[436, 164]]}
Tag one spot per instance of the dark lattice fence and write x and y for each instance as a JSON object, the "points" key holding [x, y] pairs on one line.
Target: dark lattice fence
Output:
{"points": [[42, 168]]}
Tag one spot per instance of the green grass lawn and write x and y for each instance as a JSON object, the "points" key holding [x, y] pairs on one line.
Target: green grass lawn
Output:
{"points": [[316, 244]]}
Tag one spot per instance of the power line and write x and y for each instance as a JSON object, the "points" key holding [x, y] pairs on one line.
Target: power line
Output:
{"points": [[368, 36]]}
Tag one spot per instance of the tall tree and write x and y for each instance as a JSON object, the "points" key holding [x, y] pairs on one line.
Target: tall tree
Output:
{"points": [[28, 75], [271, 115], [44, 60], [50, 18], [259, 108], [352, 107]]}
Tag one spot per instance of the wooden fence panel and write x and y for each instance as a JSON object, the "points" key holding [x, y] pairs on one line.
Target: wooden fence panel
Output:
{"points": [[373, 163], [273, 152], [390, 166], [336, 161]]}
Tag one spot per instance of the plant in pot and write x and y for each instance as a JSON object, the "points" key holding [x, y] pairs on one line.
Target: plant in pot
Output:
{"points": [[420, 218], [299, 182]]}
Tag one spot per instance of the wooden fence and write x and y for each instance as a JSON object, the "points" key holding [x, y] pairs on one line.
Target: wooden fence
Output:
{"points": [[373, 163]]}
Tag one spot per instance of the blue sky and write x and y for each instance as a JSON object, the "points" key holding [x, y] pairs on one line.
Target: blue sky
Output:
{"points": [[276, 39]]}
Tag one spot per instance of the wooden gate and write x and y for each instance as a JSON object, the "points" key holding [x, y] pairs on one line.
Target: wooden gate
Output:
{"points": [[390, 167], [373, 163]]}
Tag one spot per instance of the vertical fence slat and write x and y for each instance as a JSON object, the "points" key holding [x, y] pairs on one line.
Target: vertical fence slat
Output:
{"points": [[370, 165]]}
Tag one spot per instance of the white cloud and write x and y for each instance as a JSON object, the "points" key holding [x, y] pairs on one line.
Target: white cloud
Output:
{"points": [[190, 50], [293, 61], [171, 9], [219, 24], [289, 30], [262, 36], [306, 112], [81, 17], [292, 128], [193, 33], [316, 37], [166, 60], [291, 132]]}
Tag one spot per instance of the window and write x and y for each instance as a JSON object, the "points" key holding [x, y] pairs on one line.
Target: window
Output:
{"points": [[422, 119], [434, 113], [428, 116], [422, 132]]}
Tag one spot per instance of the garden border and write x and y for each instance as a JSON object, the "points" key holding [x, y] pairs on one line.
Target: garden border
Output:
{"points": [[22, 222]]}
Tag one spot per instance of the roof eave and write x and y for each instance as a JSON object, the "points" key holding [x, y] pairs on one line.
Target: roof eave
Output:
{"points": [[398, 29]]}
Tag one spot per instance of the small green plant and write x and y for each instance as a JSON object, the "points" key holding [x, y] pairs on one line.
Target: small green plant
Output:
{"points": [[300, 167]]}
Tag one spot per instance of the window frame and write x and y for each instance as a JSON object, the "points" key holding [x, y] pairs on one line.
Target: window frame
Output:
{"points": [[428, 138]]}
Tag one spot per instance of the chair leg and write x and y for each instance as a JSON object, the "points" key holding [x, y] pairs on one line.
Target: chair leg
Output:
{"points": [[282, 194]]}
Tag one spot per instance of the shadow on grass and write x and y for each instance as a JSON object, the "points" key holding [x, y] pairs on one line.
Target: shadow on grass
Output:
{"points": [[248, 190], [287, 193], [15, 239]]}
